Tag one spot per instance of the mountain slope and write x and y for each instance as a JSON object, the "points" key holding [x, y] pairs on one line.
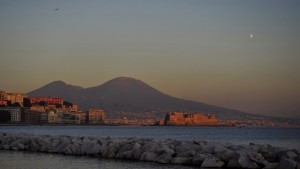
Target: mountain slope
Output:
{"points": [[60, 89], [125, 94]]}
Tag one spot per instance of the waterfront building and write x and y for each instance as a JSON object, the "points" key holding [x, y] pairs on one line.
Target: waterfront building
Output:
{"points": [[37, 108], [48, 100], [95, 116], [15, 113], [80, 117], [12, 97], [66, 117], [52, 116], [74, 107], [36, 117], [24, 110], [69, 106], [3, 103]]}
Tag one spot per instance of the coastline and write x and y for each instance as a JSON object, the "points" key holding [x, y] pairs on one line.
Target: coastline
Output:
{"points": [[233, 126], [123, 125], [197, 153]]}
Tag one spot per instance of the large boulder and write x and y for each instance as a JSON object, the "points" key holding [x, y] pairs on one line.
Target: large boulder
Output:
{"points": [[165, 154], [150, 147], [72, 149], [270, 165], [189, 153], [187, 146], [110, 150], [212, 163], [246, 162], [63, 143], [256, 157], [272, 154], [94, 149], [233, 163], [287, 164], [208, 148], [181, 160], [136, 151], [125, 155], [149, 156], [198, 159], [126, 147], [90, 147], [290, 155], [164, 158], [223, 153], [15, 145]]}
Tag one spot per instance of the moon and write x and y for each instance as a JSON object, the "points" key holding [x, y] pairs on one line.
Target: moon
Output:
{"points": [[251, 35]]}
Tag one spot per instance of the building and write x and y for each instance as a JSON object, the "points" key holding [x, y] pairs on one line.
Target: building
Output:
{"points": [[52, 117], [66, 117], [15, 113], [3, 103], [36, 117], [24, 110], [193, 119], [69, 107], [37, 108], [74, 107], [80, 117], [12, 97], [48, 100], [95, 116]]}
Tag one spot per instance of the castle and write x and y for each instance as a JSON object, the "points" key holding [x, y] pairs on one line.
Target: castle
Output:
{"points": [[189, 119]]}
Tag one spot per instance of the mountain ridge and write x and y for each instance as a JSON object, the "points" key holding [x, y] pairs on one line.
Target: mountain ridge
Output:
{"points": [[126, 94]]}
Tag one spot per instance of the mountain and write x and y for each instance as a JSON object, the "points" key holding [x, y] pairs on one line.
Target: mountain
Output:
{"points": [[60, 89], [124, 94]]}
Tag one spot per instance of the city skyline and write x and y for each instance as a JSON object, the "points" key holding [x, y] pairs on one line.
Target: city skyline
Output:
{"points": [[240, 55]]}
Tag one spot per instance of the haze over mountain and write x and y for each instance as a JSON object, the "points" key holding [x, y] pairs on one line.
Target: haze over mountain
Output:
{"points": [[124, 94]]}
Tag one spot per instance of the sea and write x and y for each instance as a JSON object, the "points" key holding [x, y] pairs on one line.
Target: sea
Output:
{"points": [[275, 136]]}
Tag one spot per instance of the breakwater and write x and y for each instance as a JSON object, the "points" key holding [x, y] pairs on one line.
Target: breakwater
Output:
{"points": [[198, 153]]}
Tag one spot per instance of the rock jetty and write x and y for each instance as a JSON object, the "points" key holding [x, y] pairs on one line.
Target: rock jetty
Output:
{"points": [[198, 153]]}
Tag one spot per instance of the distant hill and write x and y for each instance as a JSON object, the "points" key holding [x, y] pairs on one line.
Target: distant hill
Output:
{"points": [[124, 94], [60, 89]]}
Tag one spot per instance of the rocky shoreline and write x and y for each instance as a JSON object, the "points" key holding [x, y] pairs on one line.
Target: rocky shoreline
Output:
{"points": [[197, 153]]}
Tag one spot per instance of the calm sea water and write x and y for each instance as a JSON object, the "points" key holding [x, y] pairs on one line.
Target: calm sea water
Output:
{"points": [[282, 137]]}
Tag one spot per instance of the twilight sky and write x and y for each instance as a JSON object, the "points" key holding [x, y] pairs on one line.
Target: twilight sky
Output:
{"points": [[192, 49]]}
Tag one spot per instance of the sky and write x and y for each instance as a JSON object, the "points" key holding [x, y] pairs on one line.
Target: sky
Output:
{"points": [[243, 55]]}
